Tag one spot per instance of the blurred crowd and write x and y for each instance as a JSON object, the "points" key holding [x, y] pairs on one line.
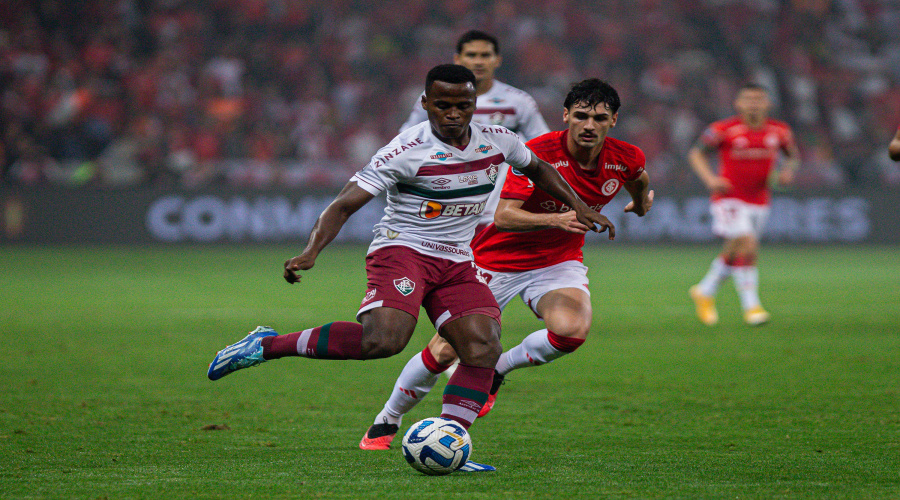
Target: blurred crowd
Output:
{"points": [[300, 93]]}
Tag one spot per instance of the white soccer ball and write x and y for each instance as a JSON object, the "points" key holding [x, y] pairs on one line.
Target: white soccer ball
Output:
{"points": [[436, 446]]}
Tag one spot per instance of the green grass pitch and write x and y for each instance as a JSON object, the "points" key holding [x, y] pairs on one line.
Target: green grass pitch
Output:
{"points": [[103, 389]]}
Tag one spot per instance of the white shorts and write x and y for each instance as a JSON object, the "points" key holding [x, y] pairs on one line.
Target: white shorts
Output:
{"points": [[532, 285], [732, 218]]}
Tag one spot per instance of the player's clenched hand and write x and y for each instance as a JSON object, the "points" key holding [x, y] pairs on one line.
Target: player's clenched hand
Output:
{"points": [[592, 219], [642, 208], [299, 263], [569, 223]]}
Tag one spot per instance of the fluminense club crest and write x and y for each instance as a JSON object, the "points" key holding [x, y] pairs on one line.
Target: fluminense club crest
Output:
{"points": [[404, 285], [492, 173]]}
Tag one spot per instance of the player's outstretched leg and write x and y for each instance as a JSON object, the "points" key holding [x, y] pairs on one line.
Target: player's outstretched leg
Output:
{"points": [[246, 353]]}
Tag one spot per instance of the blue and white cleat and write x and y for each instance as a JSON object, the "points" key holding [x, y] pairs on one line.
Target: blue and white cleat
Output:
{"points": [[244, 354], [471, 466]]}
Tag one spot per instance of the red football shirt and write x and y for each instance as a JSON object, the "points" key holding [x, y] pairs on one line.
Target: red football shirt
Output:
{"points": [[618, 162], [747, 155]]}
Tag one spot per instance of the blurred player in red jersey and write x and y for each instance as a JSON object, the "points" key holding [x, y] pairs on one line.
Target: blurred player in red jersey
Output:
{"points": [[749, 145], [533, 249], [894, 147]]}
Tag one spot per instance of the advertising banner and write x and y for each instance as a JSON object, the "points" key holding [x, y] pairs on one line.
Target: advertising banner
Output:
{"points": [[147, 216]]}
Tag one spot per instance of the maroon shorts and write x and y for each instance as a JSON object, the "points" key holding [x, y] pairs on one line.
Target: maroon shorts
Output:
{"points": [[402, 278]]}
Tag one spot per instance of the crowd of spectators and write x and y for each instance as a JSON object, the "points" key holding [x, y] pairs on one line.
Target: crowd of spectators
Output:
{"points": [[293, 93]]}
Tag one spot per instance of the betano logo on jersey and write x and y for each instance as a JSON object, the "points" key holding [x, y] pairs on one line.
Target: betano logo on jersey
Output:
{"points": [[433, 209]]}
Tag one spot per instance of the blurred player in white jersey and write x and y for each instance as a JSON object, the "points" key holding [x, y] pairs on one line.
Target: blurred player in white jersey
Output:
{"points": [[533, 249], [497, 102], [437, 176]]}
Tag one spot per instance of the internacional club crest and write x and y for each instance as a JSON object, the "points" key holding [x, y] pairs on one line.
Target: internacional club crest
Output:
{"points": [[404, 285], [492, 172]]}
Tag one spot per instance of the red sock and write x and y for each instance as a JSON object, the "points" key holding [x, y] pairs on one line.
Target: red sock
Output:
{"points": [[466, 393], [431, 363], [564, 344], [338, 340], [744, 260]]}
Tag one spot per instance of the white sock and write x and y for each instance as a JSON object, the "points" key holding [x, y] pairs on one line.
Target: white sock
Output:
{"points": [[534, 350], [718, 271], [450, 371], [746, 281], [413, 384]]}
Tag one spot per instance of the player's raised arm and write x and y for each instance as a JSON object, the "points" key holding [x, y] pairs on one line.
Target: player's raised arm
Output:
{"points": [[547, 178], [327, 226]]}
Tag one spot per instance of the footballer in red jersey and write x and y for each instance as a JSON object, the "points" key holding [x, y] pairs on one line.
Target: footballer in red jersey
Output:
{"points": [[500, 250], [749, 146], [533, 248]]}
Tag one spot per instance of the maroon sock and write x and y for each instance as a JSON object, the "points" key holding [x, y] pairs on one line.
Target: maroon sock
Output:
{"points": [[338, 340], [466, 393]]}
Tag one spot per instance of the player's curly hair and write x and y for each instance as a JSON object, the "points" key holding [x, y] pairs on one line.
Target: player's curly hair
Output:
{"points": [[450, 73], [592, 92]]}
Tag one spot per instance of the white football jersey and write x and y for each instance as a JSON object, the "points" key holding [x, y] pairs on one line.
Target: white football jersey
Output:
{"points": [[436, 193], [502, 105]]}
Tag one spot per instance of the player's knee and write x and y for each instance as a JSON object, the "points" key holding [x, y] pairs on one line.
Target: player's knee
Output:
{"points": [[374, 347], [574, 326], [381, 343], [486, 352], [443, 353], [579, 329]]}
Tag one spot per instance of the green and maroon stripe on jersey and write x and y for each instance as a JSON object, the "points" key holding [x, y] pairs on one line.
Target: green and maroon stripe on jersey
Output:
{"points": [[460, 168]]}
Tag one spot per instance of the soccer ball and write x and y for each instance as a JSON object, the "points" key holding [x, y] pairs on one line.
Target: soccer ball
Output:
{"points": [[436, 446]]}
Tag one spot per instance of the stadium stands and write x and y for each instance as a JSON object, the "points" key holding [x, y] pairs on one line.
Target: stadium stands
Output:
{"points": [[254, 93]]}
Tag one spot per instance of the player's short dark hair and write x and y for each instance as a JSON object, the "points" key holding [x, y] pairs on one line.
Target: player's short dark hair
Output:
{"points": [[753, 86], [474, 35], [592, 92], [449, 73]]}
